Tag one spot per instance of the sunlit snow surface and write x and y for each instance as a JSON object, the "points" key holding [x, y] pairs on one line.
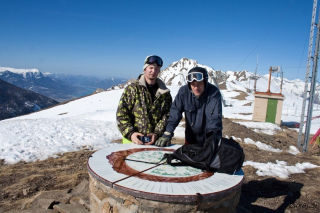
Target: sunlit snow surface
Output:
{"points": [[91, 122], [279, 169]]}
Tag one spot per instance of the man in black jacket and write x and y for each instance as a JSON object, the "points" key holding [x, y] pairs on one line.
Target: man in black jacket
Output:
{"points": [[201, 103]]}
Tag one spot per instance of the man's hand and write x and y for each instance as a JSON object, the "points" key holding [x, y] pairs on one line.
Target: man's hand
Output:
{"points": [[153, 137], [135, 138], [163, 141]]}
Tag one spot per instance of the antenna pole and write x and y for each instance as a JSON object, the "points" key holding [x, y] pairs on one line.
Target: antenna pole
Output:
{"points": [[312, 89], [270, 71], [307, 71], [255, 75], [281, 81]]}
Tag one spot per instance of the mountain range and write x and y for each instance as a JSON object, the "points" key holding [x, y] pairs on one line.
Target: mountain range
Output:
{"points": [[60, 87], [86, 84], [174, 75], [63, 87]]}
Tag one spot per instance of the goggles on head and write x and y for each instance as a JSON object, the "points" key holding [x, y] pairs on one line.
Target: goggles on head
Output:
{"points": [[197, 76], [154, 59]]}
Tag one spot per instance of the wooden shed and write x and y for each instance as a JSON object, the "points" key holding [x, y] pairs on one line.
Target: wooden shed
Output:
{"points": [[267, 108]]}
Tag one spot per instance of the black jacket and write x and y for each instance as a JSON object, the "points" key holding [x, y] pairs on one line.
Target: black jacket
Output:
{"points": [[201, 114]]}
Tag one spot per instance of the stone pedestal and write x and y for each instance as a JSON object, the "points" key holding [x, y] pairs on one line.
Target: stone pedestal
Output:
{"points": [[128, 178]]}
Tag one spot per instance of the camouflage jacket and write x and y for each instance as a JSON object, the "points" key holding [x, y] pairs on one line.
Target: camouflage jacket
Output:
{"points": [[137, 113]]}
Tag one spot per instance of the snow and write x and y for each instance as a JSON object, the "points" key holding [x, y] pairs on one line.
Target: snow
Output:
{"points": [[262, 127], [293, 150], [19, 71], [32, 139], [90, 122], [261, 146], [292, 105], [279, 169]]}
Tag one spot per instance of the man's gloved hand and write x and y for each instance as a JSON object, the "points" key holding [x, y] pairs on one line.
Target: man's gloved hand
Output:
{"points": [[163, 141]]}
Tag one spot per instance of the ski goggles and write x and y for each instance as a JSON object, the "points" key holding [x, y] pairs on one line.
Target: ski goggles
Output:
{"points": [[154, 59], [198, 76]]}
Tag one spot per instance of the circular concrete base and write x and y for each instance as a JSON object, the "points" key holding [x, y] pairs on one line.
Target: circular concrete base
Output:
{"points": [[129, 178]]}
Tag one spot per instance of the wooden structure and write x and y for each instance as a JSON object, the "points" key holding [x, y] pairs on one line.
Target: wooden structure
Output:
{"points": [[267, 106]]}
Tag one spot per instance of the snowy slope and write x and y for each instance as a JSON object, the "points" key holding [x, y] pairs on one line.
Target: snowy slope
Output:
{"points": [[91, 122]]}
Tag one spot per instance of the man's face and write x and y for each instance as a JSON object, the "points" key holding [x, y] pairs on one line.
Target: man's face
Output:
{"points": [[152, 71], [197, 87]]}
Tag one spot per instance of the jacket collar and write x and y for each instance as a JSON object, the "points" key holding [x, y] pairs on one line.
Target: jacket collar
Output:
{"points": [[162, 87], [202, 96]]}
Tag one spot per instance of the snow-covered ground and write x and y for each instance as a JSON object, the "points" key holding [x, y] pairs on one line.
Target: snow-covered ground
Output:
{"points": [[91, 122]]}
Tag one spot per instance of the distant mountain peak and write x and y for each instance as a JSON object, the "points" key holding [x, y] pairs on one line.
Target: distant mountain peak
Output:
{"points": [[175, 73], [18, 71], [24, 72], [183, 63]]}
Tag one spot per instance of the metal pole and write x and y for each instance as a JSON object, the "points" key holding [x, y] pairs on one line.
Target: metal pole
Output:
{"points": [[269, 80], [255, 76], [281, 81], [307, 72], [312, 89]]}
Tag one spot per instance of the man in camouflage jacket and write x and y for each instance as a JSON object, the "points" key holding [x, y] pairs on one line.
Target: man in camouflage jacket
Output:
{"points": [[144, 105]]}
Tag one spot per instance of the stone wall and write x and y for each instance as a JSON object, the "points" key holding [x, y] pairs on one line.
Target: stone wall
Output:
{"points": [[104, 199]]}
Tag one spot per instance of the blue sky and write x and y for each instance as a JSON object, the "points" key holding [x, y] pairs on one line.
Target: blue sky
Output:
{"points": [[112, 38]]}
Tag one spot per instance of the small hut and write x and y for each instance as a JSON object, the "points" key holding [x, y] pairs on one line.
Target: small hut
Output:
{"points": [[267, 106]]}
